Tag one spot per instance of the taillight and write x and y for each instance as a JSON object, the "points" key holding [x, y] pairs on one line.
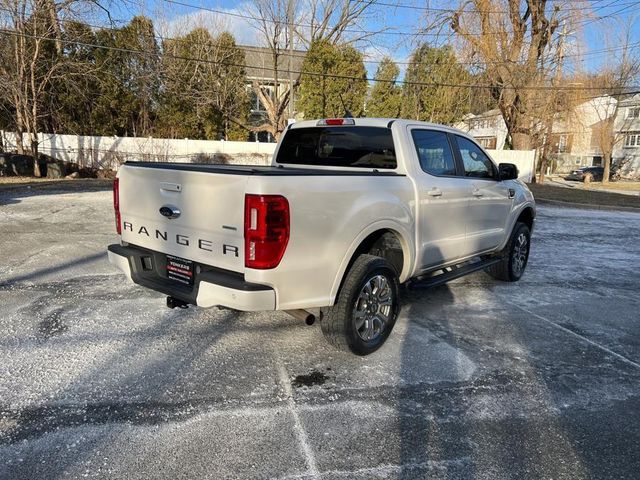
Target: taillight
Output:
{"points": [[116, 204], [266, 230]]}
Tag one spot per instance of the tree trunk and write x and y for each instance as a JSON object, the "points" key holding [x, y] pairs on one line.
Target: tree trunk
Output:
{"points": [[543, 168], [34, 152], [606, 160], [521, 141], [19, 144]]}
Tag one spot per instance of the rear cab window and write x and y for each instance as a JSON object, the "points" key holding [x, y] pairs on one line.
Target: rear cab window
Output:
{"points": [[338, 146], [434, 152]]}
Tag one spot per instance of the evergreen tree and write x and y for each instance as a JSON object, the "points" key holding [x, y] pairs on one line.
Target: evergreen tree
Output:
{"points": [[386, 96], [334, 80], [429, 94], [205, 94], [129, 81]]}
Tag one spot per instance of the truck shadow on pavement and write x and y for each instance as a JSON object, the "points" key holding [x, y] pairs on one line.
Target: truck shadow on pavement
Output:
{"points": [[464, 388]]}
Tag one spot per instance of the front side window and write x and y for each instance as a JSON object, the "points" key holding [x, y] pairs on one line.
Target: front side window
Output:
{"points": [[476, 163], [434, 152]]}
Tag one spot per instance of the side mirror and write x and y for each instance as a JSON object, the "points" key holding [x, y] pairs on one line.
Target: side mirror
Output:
{"points": [[508, 171]]}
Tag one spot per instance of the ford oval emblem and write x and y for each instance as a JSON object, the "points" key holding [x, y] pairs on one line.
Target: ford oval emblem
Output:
{"points": [[169, 211]]}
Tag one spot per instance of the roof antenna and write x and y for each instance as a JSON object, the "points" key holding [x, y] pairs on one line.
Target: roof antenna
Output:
{"points": [[347, 113]]}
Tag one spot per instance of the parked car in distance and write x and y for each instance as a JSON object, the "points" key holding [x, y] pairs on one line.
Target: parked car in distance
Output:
{"points": [[588, 174], [348, 210]]}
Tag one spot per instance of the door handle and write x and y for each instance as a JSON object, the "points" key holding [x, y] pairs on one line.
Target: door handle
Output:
{"points": [[476, 192], [435, 192]]}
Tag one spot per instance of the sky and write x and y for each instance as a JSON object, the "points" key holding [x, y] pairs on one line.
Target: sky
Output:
{"points": [[597, 38]]}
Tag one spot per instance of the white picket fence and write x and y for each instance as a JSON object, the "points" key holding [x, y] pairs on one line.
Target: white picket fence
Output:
{"points": [[110, 152]]}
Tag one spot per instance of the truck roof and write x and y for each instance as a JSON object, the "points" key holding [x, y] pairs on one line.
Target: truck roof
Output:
{"points": [[381, 122]]}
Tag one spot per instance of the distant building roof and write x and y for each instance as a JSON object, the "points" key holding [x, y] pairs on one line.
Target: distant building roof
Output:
{"points": [[259, 63]]}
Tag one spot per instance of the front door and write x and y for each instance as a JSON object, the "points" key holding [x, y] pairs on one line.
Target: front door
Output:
{"points": [[490, 199]]}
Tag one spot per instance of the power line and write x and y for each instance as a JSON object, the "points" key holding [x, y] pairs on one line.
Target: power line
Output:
{"points": [[310, 25], [300, 54], [453, 10], [300, 72]]}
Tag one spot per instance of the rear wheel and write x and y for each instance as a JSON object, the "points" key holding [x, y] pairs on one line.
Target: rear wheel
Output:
{"points": [[514, 257], [366, 309]]}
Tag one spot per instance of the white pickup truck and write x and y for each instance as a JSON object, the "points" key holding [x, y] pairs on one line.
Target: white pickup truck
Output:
{"points": [[348, 210]]}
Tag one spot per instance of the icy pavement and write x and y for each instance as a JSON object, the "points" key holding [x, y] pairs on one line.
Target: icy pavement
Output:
{"points": [[479, 379]]}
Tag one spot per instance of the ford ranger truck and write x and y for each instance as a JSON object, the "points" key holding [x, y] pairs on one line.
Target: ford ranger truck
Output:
{"points": [[347, 211]]}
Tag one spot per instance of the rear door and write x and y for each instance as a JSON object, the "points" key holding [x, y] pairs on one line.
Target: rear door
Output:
{"points": [[208, 208], [489, 199], [443, 197]]}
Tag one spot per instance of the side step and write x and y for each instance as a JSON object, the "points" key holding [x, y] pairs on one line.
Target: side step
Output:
{"points": [[451, 273]]}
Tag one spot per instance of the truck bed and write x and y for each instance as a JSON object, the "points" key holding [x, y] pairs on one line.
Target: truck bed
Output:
{"points": [[267, 170]]}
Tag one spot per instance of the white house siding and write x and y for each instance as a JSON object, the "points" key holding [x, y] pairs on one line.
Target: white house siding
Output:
{"points": [[628, 125], [486, 125]]}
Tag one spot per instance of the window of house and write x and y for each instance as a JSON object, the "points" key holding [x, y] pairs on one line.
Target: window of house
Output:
{"points": [[256, 104], [562, 144], [476, 163], [633, 112], [487, 142], [632, 139], [434, 152]]}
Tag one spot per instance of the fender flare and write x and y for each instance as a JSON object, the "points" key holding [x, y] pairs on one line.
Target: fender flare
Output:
{"points": [[406, 242], [514, 218]]}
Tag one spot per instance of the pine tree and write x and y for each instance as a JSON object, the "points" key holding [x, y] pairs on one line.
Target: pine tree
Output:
{"points": [[429, 93], [334, 81], [386, 96]]}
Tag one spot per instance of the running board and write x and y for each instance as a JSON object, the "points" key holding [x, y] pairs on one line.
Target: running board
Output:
{"points": [[451, 273]]}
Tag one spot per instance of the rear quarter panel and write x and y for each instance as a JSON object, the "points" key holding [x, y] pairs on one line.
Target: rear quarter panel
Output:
{"points": [[330, 216]]}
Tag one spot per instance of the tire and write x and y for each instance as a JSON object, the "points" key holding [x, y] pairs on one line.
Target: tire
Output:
{"points": [[588, 178], [351, 324], [514, 258]]}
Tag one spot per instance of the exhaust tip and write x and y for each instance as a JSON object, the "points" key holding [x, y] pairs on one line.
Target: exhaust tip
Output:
{"points": [[308, 317]]}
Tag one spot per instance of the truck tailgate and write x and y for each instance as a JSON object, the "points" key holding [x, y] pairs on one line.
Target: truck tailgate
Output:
{"points": [[209, 227]]}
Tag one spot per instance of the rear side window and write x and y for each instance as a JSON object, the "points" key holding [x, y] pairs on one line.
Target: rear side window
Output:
{"points": [[340, 146], [434, 152], [476, 163]]}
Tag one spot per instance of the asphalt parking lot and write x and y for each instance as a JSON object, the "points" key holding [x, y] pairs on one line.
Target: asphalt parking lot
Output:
{"points": [[539, 379]]}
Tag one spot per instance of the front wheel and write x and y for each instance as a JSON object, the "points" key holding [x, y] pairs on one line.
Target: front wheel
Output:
{"points": [[366, 309], [514, 257]]}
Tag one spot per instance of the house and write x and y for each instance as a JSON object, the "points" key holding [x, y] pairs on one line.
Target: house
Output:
{"points": [[627, 134], [577, 135], [488, 128], [260, 68]]}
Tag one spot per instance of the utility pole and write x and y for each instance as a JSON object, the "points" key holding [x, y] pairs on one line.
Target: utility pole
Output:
{"points": [[551, 109], [290, 19]]}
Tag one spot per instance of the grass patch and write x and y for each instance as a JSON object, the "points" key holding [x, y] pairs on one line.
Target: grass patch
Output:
{"points": [[622, 186], [62, 184], [584, 197]]}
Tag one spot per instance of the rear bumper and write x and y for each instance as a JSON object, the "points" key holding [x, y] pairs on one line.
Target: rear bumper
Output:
{"points": [[212, 286]]}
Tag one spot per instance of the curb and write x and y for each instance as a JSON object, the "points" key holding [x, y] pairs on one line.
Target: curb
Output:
{"points": [[586, 206]]}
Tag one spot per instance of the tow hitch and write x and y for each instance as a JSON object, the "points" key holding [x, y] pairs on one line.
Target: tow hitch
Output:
{"points": [[173, 302]]}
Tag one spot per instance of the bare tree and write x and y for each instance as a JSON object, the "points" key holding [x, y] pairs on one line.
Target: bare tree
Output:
{"points": [[513, 39], [283, 24], [615, 79], [32, 56]]}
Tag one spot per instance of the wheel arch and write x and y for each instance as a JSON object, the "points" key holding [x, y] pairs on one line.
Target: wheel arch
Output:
{"points": [[526, 216], [387, 238]]}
